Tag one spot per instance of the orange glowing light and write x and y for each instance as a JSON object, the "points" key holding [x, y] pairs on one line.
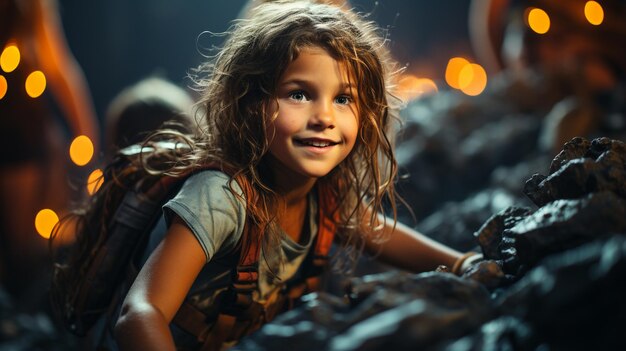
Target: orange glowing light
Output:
{"points": [[35, 84], [10, 58], [45, 221], [455, 65], [538, 21], [594, 13], [81, 150], [410, 87], [94, 181], [473, 79], [3, 86]]}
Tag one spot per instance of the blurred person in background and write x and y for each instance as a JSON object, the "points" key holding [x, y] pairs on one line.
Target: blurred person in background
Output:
{"points": [[37, 123], [148, 105]]}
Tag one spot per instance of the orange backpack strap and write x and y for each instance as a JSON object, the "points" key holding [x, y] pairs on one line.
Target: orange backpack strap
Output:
{"points": [[239, 313], [316, 262], [237, 300], [327, 226], [245, 277]]}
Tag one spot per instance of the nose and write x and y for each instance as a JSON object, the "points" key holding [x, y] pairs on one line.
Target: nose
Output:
{"points": [[323, 116]]}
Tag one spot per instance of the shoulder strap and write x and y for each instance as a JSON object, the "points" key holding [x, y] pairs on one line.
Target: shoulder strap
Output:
{"points": [[327, 225], [238, 310], [246, 275]]}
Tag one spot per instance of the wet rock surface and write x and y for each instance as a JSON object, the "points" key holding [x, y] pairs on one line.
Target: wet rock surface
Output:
{"points": [[599, 168], [395, 309], [553, 278]]}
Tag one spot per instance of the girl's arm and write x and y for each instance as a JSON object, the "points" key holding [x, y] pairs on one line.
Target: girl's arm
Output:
{"points": [[159, 290], [408, 249]]}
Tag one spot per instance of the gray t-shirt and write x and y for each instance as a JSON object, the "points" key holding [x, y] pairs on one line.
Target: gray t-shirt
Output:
{"points": [[216, 217]]}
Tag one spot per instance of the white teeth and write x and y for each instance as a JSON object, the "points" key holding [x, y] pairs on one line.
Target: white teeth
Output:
{"points": [[315, 143]]}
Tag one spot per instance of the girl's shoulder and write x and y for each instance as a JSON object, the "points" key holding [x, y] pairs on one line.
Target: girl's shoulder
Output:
{"points": [[212, 180]]}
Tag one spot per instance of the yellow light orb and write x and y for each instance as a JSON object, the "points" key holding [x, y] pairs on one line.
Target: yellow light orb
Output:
{"points": [[410, 87], [94, 181], [3, 86], [35, 84], [81, 150], [473, 79], [10, 58], [538, 21], [455, 65], [594, 13], [45, 221]]}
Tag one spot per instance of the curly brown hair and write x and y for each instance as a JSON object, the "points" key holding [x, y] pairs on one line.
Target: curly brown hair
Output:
{"points": [[239, 82]]}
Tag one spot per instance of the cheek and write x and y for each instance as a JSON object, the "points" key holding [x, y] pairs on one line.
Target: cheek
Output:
{"points": [[284, 127], [350, 128]]}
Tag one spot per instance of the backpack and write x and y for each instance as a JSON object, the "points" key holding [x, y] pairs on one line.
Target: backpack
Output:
{"points": [[114, 232]]}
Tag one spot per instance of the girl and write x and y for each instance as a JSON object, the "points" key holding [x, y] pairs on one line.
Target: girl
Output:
{"points": [[298, 118]]}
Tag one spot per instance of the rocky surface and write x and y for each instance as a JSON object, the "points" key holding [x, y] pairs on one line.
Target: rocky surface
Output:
{"points": [[553, 278]]}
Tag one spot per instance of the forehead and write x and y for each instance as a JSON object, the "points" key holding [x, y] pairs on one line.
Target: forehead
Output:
{"points": [[317, 63]]}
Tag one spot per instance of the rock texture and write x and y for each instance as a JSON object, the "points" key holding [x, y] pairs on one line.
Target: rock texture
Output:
{"points": [[553, 278]]}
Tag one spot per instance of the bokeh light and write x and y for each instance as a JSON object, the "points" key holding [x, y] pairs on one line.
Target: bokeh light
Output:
{"points": [[538, 21], [473, 79], [45, 221], [3, 86], [81, 150], [10, 58], [35, 84], [453, 69], [94, 181], [411, 87], [594, 13]]}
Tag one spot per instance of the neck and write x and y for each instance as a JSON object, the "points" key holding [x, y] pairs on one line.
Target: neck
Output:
{"points": [[292, 187], [295, 193]]}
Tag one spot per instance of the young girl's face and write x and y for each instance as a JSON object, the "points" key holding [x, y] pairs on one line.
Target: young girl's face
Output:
{"points": [[316, 122]]}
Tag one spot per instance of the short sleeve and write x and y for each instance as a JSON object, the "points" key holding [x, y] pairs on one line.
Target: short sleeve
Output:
{"points": [[208, 206]]}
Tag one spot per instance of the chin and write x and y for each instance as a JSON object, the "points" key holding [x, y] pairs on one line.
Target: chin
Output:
{"points": [[318, 172]]}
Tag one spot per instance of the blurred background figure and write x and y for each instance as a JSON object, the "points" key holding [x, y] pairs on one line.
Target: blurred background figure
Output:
{"points": [[44, 104], [571, 48], [141, 109]]}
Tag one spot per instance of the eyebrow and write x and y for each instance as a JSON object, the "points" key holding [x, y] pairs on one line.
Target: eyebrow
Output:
{"points": [[344, 86]]}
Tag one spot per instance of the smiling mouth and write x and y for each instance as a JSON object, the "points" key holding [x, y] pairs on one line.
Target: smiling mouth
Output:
{"points": [[315, 142]]}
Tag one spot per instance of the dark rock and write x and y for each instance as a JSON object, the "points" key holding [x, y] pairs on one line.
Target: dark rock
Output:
{"points": [[575, 300], [504, 333], [455, 223], [449, 146], [387, 311], [490, 234], [603, 167], [488, 273], [560, 225]]}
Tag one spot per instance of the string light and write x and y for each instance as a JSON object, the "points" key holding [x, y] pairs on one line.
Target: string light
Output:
{"points": [[538, 20], [3, 86], [35, 84], [94, 181], [10, 58], [453, 69], [594, 13], [81, 150], [473, 79], [45, 220]]}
